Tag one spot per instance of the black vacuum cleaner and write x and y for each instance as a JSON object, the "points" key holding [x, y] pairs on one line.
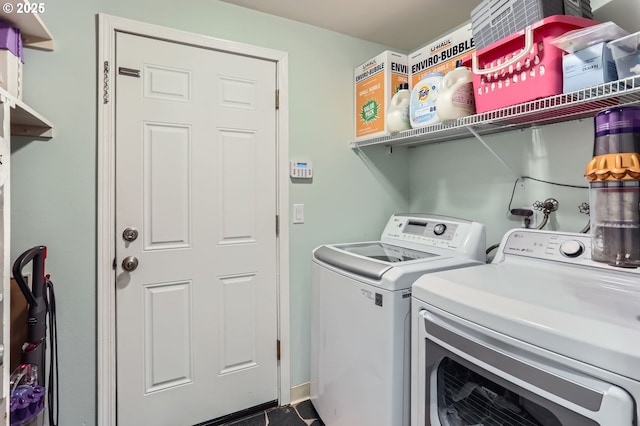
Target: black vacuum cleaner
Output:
{"points": [[28, 380]]}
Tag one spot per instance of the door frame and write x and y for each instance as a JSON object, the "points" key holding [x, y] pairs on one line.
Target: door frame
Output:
{"points": [[108, 25]]}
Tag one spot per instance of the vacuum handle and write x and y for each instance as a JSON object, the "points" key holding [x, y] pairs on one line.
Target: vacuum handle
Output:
{"points": [[19, 265]]}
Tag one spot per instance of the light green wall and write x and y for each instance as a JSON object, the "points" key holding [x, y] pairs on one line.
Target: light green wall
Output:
{"points": [[462, 178], [625, 13], [54, 182]]}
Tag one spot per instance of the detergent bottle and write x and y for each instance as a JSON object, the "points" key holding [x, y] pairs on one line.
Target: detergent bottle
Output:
{"points": [[456, 98], [422, 108], [398, 112]]}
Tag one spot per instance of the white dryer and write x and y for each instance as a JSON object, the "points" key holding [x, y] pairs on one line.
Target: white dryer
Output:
{"points": [[360, 318], [542, 336]]}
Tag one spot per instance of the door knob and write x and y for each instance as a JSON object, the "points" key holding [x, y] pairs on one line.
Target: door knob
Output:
{"points": [[130, 263], [130, 234]]}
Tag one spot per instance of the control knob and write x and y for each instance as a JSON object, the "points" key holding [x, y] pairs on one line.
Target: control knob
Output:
{"points": [[439, 229], [571, 248]]}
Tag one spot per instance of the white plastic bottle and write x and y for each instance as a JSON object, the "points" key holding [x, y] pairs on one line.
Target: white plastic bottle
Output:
{"points": [[398, 111], [456, 98], [422, 110]]}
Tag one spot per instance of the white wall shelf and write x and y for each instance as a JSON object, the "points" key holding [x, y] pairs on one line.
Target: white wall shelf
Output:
{"points": [[24, 120], [34, 33], [27, 122], [25, 15], [568, 106], [16, 119]]}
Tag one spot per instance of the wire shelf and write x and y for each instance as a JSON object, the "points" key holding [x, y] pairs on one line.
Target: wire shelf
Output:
{"points": [[583, 103]]}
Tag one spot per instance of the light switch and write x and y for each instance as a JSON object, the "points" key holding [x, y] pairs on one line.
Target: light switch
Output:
{"points": [[298, 213]]}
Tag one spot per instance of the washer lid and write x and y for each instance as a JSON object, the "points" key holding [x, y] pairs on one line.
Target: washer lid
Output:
{"points": [[384, 252], [587, 314], [367, 259], [355, 264]]}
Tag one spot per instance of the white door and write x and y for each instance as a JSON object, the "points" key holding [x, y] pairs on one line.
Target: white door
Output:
{"points": [[196, 177]]}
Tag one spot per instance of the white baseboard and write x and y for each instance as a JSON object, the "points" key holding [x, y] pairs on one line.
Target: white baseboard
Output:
{"points": [[300, 392]]}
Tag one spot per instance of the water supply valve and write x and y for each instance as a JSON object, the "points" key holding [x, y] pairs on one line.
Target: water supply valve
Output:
{"points": [[546, 207], [584, 208]]}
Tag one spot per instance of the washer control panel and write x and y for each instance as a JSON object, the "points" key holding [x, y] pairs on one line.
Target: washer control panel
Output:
{"points": [[430, 231]]}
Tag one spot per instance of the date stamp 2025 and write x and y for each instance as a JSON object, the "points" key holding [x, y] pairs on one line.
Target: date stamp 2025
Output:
{"points": [[23, 8]]}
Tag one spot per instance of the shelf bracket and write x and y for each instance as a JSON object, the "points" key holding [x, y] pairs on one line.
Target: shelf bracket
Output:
{"points": [[500, 159], [7, 100]]}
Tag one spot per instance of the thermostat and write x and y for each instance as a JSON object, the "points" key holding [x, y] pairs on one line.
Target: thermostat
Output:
{"points": [[301, 169]]}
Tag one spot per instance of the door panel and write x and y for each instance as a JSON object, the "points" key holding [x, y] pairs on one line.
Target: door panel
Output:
{"points": [[167, 326], [238, 189], [196, 175], [238, 322], [167, 188]]}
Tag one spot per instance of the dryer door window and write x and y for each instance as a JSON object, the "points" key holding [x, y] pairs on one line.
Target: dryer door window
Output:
{"points": [[469, 396], [466, 397], [472, 379]]}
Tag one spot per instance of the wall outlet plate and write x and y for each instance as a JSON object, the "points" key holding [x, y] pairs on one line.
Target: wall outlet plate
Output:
{"points": [[534, 220]]}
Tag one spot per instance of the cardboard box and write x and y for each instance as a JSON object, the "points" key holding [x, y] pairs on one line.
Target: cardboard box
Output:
{"points": [[588, 67], [441, 55], [376, 81], [19, 332]]}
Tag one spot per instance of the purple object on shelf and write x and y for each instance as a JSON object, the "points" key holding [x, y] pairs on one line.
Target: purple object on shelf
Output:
{"points": [[11, 40], [617, 130], [26, 403]]}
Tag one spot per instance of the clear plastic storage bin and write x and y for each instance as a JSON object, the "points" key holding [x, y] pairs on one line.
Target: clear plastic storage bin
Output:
{"points": [[493, 20], [626, 54]]}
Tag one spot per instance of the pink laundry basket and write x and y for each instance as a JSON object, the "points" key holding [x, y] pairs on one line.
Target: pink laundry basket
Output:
{"points": [[523, 66]]}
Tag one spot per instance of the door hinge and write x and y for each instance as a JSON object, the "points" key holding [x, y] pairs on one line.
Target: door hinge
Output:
{"points": [[277, 98], [278, 349], [114, 265], [277, 225], [105, 94]]}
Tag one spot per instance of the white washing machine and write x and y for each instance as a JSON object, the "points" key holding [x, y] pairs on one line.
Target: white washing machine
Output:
{"points": [[542, 336], [360, 319]]}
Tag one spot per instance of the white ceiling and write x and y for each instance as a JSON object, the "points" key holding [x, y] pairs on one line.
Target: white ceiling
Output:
{"points": [[400, 24]]}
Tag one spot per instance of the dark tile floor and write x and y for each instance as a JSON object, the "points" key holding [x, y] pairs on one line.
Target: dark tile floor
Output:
{"points": [[300, 414]]}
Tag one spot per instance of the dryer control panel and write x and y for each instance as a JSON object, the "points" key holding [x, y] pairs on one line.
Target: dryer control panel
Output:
{"points": [[547, 245], [565, 247]]}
